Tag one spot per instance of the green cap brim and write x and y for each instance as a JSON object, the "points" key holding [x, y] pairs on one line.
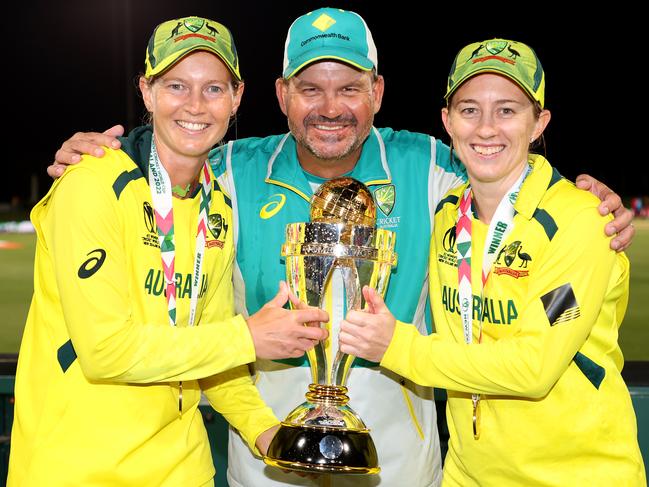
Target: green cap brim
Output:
{"points": [[490, 69], [172, 60]]}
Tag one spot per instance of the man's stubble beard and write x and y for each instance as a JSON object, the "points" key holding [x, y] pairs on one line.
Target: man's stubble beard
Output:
{"points": [[354, 144]]}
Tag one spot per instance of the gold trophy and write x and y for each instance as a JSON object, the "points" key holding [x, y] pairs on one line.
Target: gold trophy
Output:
{"points": [[324, 434]]}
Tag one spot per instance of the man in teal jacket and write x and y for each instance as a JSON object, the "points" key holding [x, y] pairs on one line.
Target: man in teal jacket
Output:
{"points": [[330, 92], [404, 171]]}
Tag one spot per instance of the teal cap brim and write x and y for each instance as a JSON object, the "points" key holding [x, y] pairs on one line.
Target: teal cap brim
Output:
{"points": [[343, 55]]}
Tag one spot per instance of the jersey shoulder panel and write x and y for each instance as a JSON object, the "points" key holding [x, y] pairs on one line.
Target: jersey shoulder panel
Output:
{"points": [[565, 199], [422, 149], [113, 163], [255, 148], [244, 153], [401, 141], [115, 169], [563, 205], [450, 201]]}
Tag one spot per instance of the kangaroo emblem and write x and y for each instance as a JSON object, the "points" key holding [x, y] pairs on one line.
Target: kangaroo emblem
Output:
{"points": [[212, 30], [176, 30]]}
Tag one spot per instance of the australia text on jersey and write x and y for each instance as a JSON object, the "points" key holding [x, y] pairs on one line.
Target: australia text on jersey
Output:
{"points": [[494, 311], [154, 284]]}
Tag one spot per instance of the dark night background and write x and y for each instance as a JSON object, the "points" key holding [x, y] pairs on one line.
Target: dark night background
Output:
{"points": [[71, 66]]}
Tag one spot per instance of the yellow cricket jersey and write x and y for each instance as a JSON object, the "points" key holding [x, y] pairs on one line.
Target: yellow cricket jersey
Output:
{"points": [[554, 408], [99, 365]]}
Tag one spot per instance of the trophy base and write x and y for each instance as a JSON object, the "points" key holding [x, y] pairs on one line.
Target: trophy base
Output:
{"points": [[323, 450]]}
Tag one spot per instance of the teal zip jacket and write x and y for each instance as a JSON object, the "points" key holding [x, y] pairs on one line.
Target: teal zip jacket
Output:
{"points": [[408, 173]]}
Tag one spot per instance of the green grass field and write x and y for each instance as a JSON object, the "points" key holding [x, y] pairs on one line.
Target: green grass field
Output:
{"points": [[16, 289], [634, 333]]}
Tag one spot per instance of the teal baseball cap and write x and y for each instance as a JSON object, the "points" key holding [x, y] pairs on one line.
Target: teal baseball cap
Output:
{"points": [[329, 33]]}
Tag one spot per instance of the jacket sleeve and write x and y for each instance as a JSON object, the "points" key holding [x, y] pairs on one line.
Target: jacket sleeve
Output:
{"points": [[563, 304], [233, 394], [85, 236]]}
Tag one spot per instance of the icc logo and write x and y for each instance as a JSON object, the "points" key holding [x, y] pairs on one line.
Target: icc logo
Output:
{"points": [[449, 239], [149, 220]]}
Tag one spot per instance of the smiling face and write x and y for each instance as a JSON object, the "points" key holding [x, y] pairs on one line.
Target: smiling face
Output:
{"points": [[330, 108], [191, 105], [492, 122]]}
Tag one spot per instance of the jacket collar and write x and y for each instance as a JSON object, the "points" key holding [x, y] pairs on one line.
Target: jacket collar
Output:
{"points": [[540, 179], [535, 185], [137, 146]]}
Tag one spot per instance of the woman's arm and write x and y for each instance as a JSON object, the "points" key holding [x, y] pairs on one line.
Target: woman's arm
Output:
{"points": [[92, 278], [577, 271], [91, 263]]}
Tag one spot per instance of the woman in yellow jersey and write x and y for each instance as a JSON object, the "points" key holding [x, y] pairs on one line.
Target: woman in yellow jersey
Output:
{"points": [[132, 315], [527, 299]]}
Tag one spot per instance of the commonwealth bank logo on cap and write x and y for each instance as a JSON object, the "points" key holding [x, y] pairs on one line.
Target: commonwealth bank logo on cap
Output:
{"points": [[174, 39], [329, 33], [514, 60]]}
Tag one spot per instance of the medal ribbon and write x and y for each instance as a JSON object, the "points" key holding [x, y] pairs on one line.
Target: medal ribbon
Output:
{"points": [[501, 224], [163, 208]]}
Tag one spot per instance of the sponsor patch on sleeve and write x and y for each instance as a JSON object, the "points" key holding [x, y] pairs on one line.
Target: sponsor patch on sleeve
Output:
{"points": [[561, 305]]}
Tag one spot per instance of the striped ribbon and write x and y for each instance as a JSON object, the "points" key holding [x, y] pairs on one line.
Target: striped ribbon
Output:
{"points": [[201, 237], [463, 243]]}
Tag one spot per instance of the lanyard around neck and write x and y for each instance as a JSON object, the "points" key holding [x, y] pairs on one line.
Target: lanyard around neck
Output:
{"points": [[161, 194], [501, 225]]}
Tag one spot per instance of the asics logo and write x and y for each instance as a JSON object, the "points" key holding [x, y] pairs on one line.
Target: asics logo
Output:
{"points": [[269, 210], [92, 265]]}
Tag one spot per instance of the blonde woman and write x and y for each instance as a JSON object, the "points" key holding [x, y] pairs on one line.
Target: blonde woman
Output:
{"points": [[132, 315]]}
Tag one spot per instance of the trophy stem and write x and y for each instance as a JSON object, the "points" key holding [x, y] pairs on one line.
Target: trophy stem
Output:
{"points": [[327, 394]]}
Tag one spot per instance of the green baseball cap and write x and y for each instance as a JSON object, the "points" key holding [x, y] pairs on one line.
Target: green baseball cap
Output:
{"points": [[512, 59], [174, 39], [329, 33]]}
